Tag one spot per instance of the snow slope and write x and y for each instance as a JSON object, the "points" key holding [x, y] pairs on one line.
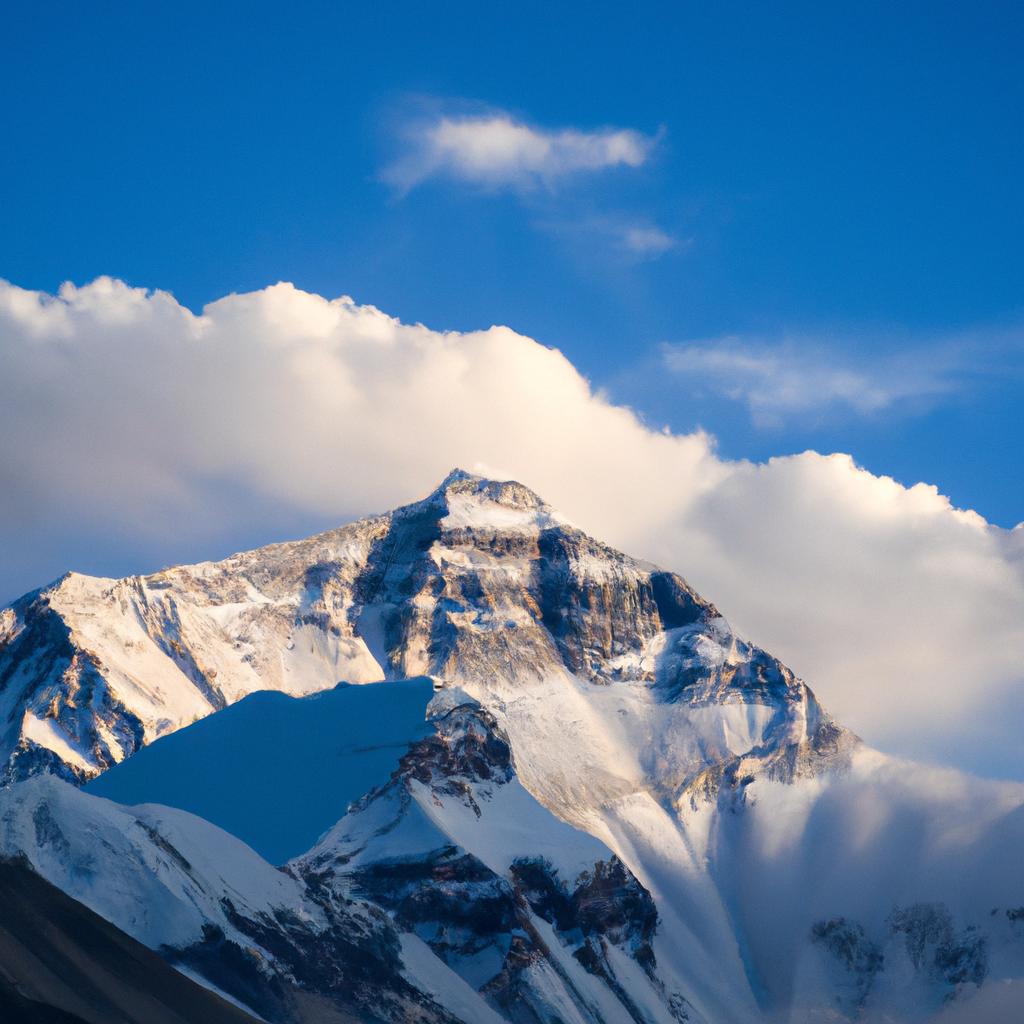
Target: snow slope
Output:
{"points": [[274, 770], [212, 905], [157, 872], [537, 916], [92, 669], [64, 964]]}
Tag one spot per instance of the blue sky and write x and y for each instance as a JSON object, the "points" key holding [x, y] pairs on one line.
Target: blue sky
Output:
{"points": [[814, 243]]}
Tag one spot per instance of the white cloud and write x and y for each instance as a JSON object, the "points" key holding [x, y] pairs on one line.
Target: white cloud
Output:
{"points": [[496, 150], [623, 239], [647, 240], [127, 421], [780, 380]]}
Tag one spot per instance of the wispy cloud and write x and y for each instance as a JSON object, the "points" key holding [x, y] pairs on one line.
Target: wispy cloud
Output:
{"points": [[619, 239], [779, 380], [495, 149], [647, 240]]}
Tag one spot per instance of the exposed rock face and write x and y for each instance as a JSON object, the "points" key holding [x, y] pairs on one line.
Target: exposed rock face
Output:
{"points": [[827, 747], [934, 947], [919, 945], [859, 957], [400, 848], [287, 971], [481, 581], [607, 902], [43, 671]]}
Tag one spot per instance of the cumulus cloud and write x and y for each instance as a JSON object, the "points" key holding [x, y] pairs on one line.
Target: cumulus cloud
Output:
{"points": [[794, 377], [496, 150], [131, 423]]}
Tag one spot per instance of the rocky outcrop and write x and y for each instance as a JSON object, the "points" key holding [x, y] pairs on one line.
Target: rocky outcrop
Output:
{"points": [[515, 927], [920, 947], [828, 748], [54, 687], [287, 971], [847, 942], [935, 947]]}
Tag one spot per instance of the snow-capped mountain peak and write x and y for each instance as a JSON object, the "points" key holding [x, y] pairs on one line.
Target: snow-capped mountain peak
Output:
{"points": [[621, 810], [474, 502], [481, 579]]}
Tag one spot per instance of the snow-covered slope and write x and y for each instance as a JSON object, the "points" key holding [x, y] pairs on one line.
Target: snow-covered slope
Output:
{"points": [[157, 872], [92, 669], [64, 964], [388, 917], [751, 859], [890, 891], [213, 906], [249, 769], [537, 916]]}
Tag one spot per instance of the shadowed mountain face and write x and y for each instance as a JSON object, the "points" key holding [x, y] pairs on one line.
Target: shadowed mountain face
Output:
{"points": [[62, 963], [249, 767], [618, 808]]}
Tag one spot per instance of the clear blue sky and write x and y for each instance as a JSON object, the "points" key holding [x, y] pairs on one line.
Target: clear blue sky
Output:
{"points": [[836, 189]]}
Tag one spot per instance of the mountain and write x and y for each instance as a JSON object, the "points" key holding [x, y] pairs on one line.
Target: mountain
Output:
{"points": [[621, 809], [420, 931], [481, 583]]}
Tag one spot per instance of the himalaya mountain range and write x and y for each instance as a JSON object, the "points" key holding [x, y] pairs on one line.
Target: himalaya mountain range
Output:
{"points": [[506, 773]]}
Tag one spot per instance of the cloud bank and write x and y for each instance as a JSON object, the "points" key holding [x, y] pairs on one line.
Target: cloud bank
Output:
{"points": [[496, 150], [127, 420]]}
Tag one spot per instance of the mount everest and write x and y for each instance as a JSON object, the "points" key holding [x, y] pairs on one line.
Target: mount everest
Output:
{"points": [[616, 810]]}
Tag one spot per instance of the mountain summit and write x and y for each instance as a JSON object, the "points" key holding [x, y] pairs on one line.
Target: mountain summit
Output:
{"points": [[621, 809], [480, 581]]}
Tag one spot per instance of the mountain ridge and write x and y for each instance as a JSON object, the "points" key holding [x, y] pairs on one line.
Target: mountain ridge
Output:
{"points": [[97, 668], [621, 810]]}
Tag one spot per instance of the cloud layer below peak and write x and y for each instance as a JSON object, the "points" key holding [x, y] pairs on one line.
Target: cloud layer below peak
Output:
{"points": [[129, 423]]}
